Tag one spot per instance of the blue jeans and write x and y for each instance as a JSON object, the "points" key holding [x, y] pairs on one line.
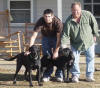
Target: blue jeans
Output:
{"points": [[90, 54], [48, 44]]}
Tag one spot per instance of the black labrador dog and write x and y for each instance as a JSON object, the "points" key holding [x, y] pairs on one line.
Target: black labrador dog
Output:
{"points": [[31, 62], [64, 62]]}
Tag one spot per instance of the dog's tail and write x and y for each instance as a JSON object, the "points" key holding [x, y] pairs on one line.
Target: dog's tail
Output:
{"points": [[10, 59]]}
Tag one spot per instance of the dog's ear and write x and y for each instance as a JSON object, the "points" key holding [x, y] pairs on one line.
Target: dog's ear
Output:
{"points": [[71, 62], [71, 58], [31, 48], [72, 55], [61, 52]]}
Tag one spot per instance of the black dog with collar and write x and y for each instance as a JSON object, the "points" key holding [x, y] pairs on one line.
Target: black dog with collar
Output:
{"points": [[31, 62]]}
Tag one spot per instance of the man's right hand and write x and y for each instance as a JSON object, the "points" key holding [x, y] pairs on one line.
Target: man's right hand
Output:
{"points": [[27, 53]]}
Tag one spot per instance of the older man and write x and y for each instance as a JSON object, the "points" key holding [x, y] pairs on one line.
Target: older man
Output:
{"points": [[81, 28]]}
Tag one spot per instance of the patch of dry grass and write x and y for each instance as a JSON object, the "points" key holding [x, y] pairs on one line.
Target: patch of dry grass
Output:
{"points": [[7, 70]]}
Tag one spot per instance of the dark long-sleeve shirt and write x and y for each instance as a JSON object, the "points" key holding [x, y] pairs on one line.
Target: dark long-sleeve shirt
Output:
{"points": [[49, 29]]}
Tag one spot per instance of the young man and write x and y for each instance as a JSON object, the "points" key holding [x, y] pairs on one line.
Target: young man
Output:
{"points": [[50, 28], [81, 28]]}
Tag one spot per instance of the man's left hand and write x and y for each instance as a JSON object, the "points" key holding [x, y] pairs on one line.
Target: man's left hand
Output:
{"points": [[55, 55], [94, 38]]}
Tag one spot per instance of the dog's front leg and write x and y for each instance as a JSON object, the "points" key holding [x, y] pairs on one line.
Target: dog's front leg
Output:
{"points": [[68, 74], [43, 69], [39, 73], [30, 77], [40, 77], [26, 75], [66, 79], [63, 72], [17, 70]]}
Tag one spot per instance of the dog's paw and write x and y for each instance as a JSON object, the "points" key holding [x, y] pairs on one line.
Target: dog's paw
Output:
{"points": [[40, 84], [31, 85], [14, 82], [67, 81]]}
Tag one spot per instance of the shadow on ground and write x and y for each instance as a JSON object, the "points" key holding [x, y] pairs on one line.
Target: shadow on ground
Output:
{"points": [[9, 77]]}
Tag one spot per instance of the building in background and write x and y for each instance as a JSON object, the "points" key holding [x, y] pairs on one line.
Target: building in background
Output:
{"points": [[28, 11]]}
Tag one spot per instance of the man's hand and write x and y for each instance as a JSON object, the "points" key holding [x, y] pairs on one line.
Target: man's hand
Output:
{"points": [[94, 39], [27, 53], [55, 55]]}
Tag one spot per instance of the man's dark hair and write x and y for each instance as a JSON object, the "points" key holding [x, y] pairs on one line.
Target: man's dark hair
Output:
{"points": [[48, 11]]}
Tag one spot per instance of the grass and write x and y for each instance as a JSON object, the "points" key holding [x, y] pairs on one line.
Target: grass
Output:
{"points": [[7, 70]]}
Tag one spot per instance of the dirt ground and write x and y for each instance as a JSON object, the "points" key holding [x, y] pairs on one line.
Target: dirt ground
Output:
{"points": [[7, 70]]}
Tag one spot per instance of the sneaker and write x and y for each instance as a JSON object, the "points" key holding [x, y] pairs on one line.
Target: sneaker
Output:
{"points": [[46, 79], [90, 79], [75, 79], [59, 79]]}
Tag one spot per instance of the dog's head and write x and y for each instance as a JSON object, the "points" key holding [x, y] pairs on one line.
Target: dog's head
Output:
{"points": [[64, 52], [67, 54], [34, 52]]}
